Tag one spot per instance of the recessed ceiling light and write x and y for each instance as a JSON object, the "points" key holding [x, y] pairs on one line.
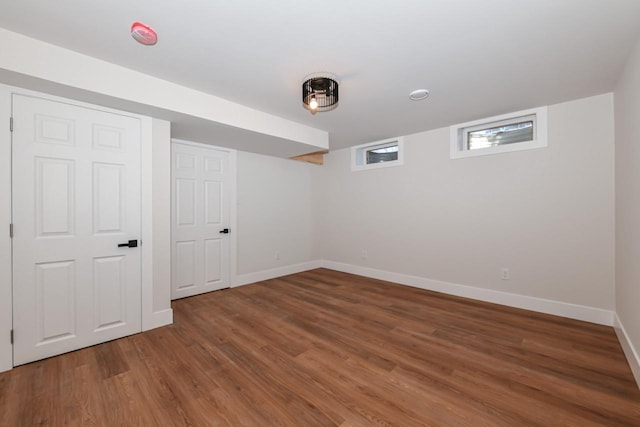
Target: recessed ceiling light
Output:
{"points": [[143, 34], [419, 95]]}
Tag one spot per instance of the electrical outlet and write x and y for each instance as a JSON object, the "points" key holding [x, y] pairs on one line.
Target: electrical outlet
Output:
{"points": [[364, 254], [504, 274], [277, 255]]}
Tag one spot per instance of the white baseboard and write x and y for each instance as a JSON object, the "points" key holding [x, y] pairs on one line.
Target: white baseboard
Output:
{"points": [[158, 318], [258, 276], [629, 350], [572, 311]]}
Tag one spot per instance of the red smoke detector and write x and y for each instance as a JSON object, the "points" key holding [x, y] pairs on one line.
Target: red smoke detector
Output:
{"points": [[143, 34]]}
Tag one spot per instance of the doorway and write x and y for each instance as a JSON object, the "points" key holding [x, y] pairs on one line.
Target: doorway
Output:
{"points": [[203, 218]]}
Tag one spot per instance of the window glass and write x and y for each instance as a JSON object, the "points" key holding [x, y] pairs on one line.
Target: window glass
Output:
{"points": [[500, 135], [384, 154]]}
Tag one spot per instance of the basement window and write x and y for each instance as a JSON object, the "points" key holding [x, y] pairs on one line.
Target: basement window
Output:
{"points": [[378, 154], [522, 130]]}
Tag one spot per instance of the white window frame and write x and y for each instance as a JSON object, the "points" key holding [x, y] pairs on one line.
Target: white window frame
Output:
{"points": [[459, 132], [358, 154]]}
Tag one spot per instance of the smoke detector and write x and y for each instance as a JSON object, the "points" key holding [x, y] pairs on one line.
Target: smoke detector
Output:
{"points": [[143, 34]]}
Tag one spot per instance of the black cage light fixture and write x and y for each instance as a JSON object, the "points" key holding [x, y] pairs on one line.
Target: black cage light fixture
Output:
{"points": [[320, 92]]}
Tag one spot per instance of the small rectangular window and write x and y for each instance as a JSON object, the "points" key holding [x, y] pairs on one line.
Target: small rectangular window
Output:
{"points": [[511, 132], [500, 135], [382, 154], [377, 154]]}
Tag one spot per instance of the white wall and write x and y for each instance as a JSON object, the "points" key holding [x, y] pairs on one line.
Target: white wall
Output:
{"points": [[546, 214], [627, 126], [160, 313], [274, 216]]}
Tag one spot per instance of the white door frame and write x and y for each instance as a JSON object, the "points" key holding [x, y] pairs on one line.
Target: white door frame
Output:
{"points": [[6, 300], [232, 202]]}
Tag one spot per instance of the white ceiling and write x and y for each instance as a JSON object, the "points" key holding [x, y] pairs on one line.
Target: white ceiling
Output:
{"points": [[477, 57]]}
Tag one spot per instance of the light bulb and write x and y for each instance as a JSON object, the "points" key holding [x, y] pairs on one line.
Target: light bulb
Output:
{"points": [[313, 104]]}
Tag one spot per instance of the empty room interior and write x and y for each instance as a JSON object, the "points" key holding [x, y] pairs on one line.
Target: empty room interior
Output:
{"points": [[338, 213]]}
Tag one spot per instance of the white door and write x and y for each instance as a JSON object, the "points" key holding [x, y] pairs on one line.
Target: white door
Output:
{"points": [[201, 181], [76, 197]]}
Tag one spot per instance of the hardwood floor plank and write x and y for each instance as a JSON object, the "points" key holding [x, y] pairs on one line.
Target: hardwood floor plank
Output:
{"points": [[323, 348]]}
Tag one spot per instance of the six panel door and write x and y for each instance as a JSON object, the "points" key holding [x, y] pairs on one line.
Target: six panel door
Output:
{"points": [[76, 196], [201, 180]]}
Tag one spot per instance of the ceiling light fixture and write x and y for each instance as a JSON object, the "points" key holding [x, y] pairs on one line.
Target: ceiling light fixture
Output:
{"points": [[143, 34], [320, 92], [419, 95]]}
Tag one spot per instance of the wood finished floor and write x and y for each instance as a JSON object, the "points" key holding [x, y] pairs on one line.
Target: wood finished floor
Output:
{"points": [[323, 348]]}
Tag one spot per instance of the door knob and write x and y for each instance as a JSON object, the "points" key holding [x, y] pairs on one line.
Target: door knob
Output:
{"points": [[224, 231], [129, 244]]}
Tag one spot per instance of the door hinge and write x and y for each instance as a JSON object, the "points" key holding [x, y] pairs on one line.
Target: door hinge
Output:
{"points": [[11, 231], [12, 336], [10, 124]]}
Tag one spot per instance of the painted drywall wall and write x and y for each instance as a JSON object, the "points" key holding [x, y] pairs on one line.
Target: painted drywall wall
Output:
{"points": [[546, 214], [274, 214], [627, 157], [156, 224], [161, 224]]}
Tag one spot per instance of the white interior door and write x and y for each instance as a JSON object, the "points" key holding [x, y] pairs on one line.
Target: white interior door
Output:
{"points": [[201, 181], [76, 197]]}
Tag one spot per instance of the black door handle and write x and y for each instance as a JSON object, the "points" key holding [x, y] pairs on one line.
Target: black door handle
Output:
{"points": [[224, 231], [129, 244]]}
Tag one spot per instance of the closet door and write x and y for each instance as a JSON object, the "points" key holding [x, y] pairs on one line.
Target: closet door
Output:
{"points": [[201, 196], [76, 202]]}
